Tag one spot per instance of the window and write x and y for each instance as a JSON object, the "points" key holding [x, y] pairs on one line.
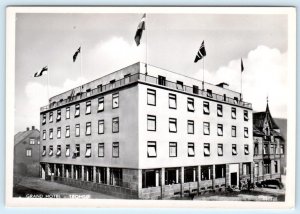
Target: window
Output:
{"points": [[220, 110], [44, 119], [209, 93], [58, 116], [172, 125], [272, 149], [151, 97], [50, 150], [115, 150], [276, 166], [115, 125], [255, 148], [100, 104], [58, 150], [265, 149], [220, 171], [28, 152], [233, 131], [50, 117], [44, 134], [233, 113], [236, 100], [205, 107], [58, 132], [246, 169], [38, 142], [101, 127], [190, 127], [68, 113], [246, 118], [44, 151], [220, 130], [77, 151], [172, 101], [190, 104], [246, 134], [88, 128], [77, 130], [31, 141], [88, 152], [195, 89], [191, 149], [173, 149], [220, 149], [151, 123], [179, 85], [206, 149], [267, 168], [67, 150], [161, 80], [101, 150], [77, 110], [206, 128], [88, 107], [151, 149], [67, 131], [246, 148], [234, 151], [115, 100], [88, 92], [281, 149], [206, 172], [50, 133]]}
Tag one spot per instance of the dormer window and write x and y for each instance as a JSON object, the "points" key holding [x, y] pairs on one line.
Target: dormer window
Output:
{"points": [[209, 93], [179, 85]]}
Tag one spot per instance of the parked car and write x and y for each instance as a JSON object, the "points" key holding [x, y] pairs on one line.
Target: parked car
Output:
{"points": [[272, 182]]}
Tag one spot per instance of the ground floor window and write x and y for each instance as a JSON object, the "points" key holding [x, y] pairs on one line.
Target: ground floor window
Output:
{"points": [[101, 175], [275, 166], [220, 171], [206, 172], [266, 168], [150, 178], [246, 168], [172, 176], [190, 174], [116, 177]]}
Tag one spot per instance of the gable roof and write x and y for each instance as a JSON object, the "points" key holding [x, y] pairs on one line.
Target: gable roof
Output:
{"points": [[21, 136], [259, 118]]}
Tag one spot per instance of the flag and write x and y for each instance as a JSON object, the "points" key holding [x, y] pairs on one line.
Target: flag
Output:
{"points": [[76, 53], [201, 53], [72, 93], [139, 31], [38, 74], [242, 65]]}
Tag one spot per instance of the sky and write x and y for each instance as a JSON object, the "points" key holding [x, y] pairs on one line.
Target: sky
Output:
{"points": [[107, 44]]}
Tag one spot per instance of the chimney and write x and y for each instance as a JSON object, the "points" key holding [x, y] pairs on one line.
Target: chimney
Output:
{"points": [[27, 129], [32, 128]]}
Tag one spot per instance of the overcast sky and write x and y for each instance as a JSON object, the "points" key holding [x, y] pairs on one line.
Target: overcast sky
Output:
{"points": [[107, 42]]}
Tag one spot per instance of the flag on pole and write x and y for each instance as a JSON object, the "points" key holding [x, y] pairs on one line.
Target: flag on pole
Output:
{"points": [[40, 73], [76, 54], [201, 53], [242, 65], [139, 31]]}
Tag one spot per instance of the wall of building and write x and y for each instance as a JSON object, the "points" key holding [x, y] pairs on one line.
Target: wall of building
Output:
{"points": [[127, 135], [24, 165], [162, 136]]}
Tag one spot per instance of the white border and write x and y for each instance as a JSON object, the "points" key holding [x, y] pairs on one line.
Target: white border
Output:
{"points": [[112, 203]]}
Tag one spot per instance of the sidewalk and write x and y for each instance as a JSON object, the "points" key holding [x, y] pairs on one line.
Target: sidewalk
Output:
{"points": [[56, 190]]}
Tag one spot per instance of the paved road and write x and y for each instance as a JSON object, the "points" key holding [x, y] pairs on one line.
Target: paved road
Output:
{"points": [[56, 190]]}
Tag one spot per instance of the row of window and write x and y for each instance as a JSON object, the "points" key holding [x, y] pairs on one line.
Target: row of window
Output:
{"points": [[151, 100], [151, 126], [115, 104], [151, 149], [88, 129], [272, 149], [76, 152]]}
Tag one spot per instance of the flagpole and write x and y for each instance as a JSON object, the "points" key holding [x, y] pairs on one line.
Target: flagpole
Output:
{"points": [[146, 44], [81, 67], [241, 86], [203, 75], [48, 75]]}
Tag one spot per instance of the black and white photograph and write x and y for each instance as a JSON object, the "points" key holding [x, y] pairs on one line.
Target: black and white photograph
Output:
{"points": [[190, 107]]}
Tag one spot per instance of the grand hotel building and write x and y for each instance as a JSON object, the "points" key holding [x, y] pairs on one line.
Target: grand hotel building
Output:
{"points": [[147, 135]]}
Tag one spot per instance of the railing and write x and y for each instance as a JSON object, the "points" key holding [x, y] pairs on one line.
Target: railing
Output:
{"points": [[148, 79]]}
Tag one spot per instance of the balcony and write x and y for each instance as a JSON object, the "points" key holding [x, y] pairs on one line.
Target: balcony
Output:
{"points": [[138, 77]]}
